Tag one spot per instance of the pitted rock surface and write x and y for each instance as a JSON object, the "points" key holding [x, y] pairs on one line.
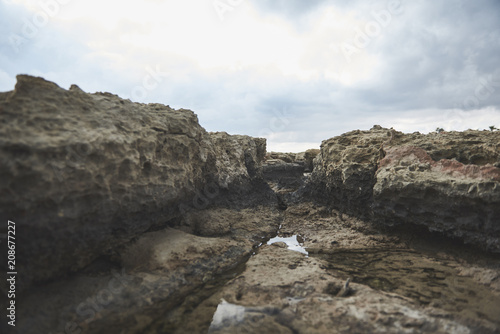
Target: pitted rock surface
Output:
{"points": [[448, 182]]}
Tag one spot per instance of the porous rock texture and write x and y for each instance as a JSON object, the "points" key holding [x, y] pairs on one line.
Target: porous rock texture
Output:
{"points": [[287, 172], [395, 287], [448, 182], [303, 158], [284, 175], [131, 218], [238, 160], [83, 173]]}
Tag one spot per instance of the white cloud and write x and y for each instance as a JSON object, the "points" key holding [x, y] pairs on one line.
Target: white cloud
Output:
{"points": [[267, 57], [293, 147], [6, 81]]}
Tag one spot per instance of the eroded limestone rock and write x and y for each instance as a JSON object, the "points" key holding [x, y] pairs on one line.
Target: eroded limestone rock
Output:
{"points": [[146, 223], [83, 173], [448, 182], [393, 287]]}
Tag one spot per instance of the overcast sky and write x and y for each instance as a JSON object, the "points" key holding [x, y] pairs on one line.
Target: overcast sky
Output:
{"points": [[294, 71]]}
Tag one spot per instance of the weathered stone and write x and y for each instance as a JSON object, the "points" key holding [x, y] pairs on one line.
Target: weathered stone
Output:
{"points": [[283, 177], [158, 271], [276, 169], [181, 242], [238, 158], [286, 172], [254, 224], [304, 300], [448, 182], [303, 158], [286, 157], [83, 173], [462, 201], [392, 289], [308, 158]]}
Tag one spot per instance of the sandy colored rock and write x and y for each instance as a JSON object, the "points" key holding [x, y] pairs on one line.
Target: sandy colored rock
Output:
{"points": [[303, 158], [448, 182], [238, 158], [394, 288], [304, 298], [158, 271], [254, 224], [134, 219], [461, 200], [83, 173]]}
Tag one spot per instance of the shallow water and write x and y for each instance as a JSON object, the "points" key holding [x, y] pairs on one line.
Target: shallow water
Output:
{"points": [[227, 312], [427, 280], [292, 243]]}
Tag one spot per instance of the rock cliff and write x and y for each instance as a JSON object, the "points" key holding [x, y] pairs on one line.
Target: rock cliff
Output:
{"points": [[287, 172], [131, 218], [448, 182], [83, 173], [303, 158]]}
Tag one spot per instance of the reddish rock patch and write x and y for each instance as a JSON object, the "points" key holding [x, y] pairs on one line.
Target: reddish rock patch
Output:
{"points": [[458, 169], [395, 155]]}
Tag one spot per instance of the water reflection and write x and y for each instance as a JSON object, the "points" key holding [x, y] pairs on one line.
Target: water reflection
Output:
{"points": [[227, 314], [291, 242], [427, 280], [230, 318]]}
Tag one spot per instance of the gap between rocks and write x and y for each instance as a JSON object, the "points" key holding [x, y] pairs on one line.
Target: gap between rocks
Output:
{"points": [[135, 219]]}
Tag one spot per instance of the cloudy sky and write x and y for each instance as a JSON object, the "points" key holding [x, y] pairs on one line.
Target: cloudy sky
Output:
{"points": [[294, 71]]}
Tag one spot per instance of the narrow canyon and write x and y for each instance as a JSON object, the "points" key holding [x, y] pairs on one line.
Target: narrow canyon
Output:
{"points": [[132, 218]]}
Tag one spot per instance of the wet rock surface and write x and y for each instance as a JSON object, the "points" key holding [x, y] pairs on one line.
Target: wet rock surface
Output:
{"points": [[394, 287], [158, 226], [139, 289]]}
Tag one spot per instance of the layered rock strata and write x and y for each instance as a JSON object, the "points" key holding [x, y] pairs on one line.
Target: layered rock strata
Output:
{"points": [[393, 287], [303, 158], [83, 173], [132, 218], [284, 176], [448, 182], [287, 172]]}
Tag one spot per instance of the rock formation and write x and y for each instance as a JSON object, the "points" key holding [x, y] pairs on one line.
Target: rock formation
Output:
{"points": [[287, 172], [131, 218], [84, 173], [448, 182], [303, 158]]}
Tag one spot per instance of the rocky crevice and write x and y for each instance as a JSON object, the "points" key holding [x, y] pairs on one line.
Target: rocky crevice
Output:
{"points": [[133, 218], [86, 172]]}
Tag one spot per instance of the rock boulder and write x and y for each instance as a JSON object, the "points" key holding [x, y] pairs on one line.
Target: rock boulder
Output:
{"points": [[82, 173], [448, 182]]}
